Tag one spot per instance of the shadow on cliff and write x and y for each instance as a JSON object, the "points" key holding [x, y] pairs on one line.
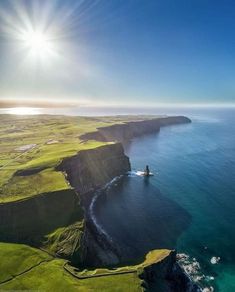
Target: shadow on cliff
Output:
{"points": [[139, 218]]}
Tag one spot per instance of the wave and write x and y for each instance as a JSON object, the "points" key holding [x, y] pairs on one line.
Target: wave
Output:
{"points": [[137, 173], [132, 173], [92, 206]]}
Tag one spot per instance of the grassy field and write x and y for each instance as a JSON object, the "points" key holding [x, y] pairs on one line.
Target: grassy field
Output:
{"points": [[16, 259], [45, 181]]}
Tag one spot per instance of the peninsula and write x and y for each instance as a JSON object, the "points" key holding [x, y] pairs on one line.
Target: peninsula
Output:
{"points": [[50, 168]]}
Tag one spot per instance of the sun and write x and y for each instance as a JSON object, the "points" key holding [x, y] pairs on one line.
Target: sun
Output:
{"points": [[37, 42], [38, 45]]}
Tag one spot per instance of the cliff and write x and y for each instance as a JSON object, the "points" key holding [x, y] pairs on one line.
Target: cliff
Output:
{"points": [[86, 172], [28, 220], [51, 219], [92, 169], [130, 130], [165, 274]]}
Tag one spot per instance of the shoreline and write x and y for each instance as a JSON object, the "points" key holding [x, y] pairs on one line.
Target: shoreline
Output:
{"points": [[102, 240], [178, 275]]}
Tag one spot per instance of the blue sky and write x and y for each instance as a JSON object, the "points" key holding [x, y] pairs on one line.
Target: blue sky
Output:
{"points": [[121, 52]]}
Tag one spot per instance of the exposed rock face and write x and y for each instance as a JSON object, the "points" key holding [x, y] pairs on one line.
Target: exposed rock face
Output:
{"points": [[26, 221], [92, 169], [97, 251], [130, 130]]}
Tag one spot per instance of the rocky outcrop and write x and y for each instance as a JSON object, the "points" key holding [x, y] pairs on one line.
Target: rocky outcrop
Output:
{"points": [[92, 169], [130, 130]]}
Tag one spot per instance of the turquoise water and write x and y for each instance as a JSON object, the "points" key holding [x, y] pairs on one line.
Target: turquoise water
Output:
{"points": [[190, 202]]}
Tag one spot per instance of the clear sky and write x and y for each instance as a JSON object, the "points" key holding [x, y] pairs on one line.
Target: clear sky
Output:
{"points": [[124, 52]]}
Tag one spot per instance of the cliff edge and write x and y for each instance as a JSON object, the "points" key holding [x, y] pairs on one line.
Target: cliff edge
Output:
{"points": [[129, 130]]}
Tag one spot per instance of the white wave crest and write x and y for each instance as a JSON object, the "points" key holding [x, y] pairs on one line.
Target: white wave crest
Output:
{"points": [[208, 289]]}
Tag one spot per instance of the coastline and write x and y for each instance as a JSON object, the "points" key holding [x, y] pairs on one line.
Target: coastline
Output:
{"points": [[108, 252], [87, 173], [176, 277]]}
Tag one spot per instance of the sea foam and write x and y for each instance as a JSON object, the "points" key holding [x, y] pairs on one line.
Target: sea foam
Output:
{"points": [[193, 269], [92, 206]]}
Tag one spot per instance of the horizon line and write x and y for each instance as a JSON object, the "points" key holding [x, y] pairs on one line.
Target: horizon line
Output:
{"points": [[42, 103]]}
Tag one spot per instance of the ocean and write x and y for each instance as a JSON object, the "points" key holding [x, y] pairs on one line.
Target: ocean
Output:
{"points": [[189, 203]]}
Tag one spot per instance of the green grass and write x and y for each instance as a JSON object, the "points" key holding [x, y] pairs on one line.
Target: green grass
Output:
{"points": [[17, 258], [152, 257], [65, 241], [31, 269], [51, 277], [155, 256], [19, 187]]}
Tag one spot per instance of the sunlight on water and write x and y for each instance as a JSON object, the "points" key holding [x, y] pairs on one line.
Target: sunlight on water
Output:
{"points": [[22, 111]]}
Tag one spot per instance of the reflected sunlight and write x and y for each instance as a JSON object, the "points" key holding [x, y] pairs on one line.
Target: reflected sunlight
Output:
{"points": [[23, 111]]}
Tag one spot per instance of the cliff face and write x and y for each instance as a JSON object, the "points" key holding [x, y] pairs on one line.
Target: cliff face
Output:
{"points": [[92, 169], [88, 171], [167, 276], [28, 220], [130, 130]]}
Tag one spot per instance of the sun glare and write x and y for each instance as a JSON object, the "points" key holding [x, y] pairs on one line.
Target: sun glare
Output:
{"points": [[23, 111], [38, 43], [39, 33]]}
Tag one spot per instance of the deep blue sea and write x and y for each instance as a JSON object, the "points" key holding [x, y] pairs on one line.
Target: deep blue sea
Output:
{"points": [[189, 203]]}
